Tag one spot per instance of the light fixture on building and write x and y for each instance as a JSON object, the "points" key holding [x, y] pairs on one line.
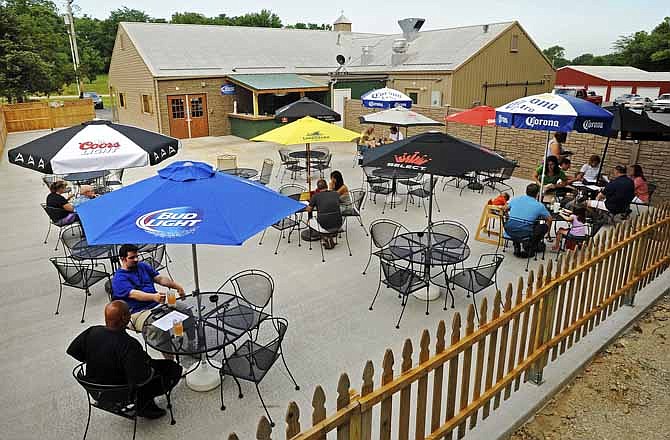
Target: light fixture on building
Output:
{"points": [[176, 88], [280, 94], [203, 84]]}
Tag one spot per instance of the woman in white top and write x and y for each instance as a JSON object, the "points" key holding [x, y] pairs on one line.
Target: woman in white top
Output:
{"points": [[589, 171], [555, 146], [395, 134]]}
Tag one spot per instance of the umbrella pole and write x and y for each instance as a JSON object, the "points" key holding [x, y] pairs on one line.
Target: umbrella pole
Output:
{"points": [[495, 138], [309, 171], [481, 131], [429, 246], [602, 160], [204, 377], [544, 168]]}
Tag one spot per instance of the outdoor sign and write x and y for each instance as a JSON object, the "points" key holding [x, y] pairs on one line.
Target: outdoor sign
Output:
{"points": [[228, 89]]}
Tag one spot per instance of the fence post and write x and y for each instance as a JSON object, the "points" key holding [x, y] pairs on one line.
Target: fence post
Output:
{"points": [[545, 325], [638, 258]]}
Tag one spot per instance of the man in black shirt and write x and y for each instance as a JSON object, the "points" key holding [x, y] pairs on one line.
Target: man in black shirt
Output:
{"points": [[113, 357], [329, 216], [619, 192]]}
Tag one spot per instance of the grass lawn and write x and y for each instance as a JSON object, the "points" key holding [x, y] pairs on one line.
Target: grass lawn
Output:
{"points": [[99, 86]]}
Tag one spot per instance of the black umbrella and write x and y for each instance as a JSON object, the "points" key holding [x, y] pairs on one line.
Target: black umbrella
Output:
{"points": [[635, 126], [306, 107], [94, 146], [435, 153]]}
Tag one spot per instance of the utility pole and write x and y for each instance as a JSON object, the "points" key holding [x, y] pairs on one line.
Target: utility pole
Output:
{"points": [[69, 21]]}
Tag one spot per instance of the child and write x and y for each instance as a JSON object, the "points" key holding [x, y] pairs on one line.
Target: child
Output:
{"points": [[576, 229], [501, 200]]}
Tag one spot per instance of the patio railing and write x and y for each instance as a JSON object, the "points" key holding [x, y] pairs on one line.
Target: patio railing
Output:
{"points": [[530, 325], [43, 115]]}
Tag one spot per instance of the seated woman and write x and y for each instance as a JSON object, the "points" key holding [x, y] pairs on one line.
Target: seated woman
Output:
{"points": [[641, 188], [589, 171], [64, 214], [367, 137], [554, 177], [337, 184], [395, 134]]}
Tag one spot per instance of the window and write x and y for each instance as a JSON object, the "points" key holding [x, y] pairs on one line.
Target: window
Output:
{"points": [[196, 107], [514, 45], [177, 108], [414, 96], [146, 104], [122, 100]]}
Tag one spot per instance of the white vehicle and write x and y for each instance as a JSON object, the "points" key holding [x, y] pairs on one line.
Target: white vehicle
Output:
{"points": [[661, 104], [639, 103]]}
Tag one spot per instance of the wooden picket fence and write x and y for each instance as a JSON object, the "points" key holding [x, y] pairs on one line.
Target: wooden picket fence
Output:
{"points": [[43, 115], [530, 325], [3, 131]]}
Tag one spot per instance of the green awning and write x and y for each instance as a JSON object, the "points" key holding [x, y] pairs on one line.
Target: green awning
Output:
{"points": [[276, 81]]}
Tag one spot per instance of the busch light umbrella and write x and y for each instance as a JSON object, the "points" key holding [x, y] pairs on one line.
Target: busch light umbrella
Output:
{"points": [[436, 154], [385, 99], [186, 203], [550, 112], [94, 146]]}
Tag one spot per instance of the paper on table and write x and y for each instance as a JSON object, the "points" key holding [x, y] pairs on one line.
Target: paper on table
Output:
{"points": [[593, 187], [165, 323]]}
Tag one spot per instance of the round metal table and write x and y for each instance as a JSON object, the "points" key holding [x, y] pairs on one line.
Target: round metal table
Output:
{"points": [[85, 177], [302, 154], [245, 173]]}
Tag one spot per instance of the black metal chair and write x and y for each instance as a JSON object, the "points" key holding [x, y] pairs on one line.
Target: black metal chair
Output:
{"points": [[332, 233], [412, 183], [449, 256], [287, 223], [651, 189], [377, 185], [382, 232], [289, 164], [71, 236], [120, 400], [354, 208], [424, 192], [322, 164], [256, 288], [266, 172], [403, 280], [78, 275], [252, 360], [522, 232], [477, 278], [114, 178], [155, 256], [49, 210], [500, 179]]}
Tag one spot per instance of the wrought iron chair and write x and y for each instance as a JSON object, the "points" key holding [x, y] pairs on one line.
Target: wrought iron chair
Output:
{"points": [[155, 256], [329, 233], [120, 400], [426, 190], [377, 185], [353, 209], [501, 179], [114, 178], [226, 161], [477, 278], [403, 280], [78, 275], [289, 164], [256, 288], [266, 172], [72, 235], [287, 223], [49, 210], [455, 230], [382, 232], [252, 360], [322, 164], [522, 232]]}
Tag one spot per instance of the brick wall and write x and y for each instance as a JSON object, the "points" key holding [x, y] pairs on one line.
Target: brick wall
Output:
{"points": [[527, 146]]}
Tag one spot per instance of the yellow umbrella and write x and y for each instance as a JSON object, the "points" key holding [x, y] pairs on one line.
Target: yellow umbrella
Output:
{"points": [[306, 131]]}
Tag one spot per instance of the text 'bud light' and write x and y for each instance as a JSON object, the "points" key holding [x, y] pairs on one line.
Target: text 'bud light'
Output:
{"points": [[170, 222]]}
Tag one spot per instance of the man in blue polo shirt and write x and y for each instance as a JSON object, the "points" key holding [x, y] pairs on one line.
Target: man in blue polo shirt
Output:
{"points": [[524, 212], [134, 282]]}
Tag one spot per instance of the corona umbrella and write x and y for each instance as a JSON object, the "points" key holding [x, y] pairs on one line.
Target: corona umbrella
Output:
{"points": [[386, 98], [306, 131]]}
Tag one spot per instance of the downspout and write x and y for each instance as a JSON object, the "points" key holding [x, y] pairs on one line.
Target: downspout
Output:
{"points": [[158, 107]]}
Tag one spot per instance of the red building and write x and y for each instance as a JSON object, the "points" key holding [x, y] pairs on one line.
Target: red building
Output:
{"points": [[614, 81]]}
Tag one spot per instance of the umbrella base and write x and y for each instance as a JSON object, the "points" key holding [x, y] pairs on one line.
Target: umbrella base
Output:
{"points": [[310, 235], [433, 293], [205, 377], [475, 186]]}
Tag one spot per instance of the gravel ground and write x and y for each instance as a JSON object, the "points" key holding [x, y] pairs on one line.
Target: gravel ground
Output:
{"points": [[621, 395]]}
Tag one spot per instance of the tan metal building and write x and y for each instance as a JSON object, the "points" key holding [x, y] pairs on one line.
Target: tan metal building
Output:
{"points": [[192, 80]]}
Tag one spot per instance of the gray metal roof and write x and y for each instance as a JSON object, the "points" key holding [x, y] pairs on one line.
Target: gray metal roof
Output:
{"points": [[621, 73], [176, 50]]}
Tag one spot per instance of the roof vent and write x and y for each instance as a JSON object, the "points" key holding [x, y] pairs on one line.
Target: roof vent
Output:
{"points": [[485, 28], [411, 27], [399, 55], [366, 55]]}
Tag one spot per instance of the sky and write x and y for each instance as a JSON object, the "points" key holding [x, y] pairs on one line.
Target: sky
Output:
{"points": [[580, 26]]}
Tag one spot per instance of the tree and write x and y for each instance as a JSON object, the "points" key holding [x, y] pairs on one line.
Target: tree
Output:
{"points": [[190, 18], [110, 26], [556, 56], [312, 26]]}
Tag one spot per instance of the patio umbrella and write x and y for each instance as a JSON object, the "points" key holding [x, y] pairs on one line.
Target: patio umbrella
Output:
{"points": [[306, 107], [549, 112], [306, 131], [186, 203], [386, 98], [481, 116], [400, 117], [435, 153], [94, 146]]}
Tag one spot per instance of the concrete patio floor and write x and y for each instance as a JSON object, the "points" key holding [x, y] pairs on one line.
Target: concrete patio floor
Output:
{"points": [[330, 328]]}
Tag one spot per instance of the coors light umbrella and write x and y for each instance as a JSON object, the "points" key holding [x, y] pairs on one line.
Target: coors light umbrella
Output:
{"points": [[435, 153], [94, 146], [306, 107]]}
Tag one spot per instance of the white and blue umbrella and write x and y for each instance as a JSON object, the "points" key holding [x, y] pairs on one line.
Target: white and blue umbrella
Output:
{"points": [[386, 98], [549, 112]]}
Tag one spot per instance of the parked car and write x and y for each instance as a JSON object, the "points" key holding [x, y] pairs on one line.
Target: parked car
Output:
{"points": [[97, 99], [639, 103], [587, 95], [661, 104], [623, 99]]}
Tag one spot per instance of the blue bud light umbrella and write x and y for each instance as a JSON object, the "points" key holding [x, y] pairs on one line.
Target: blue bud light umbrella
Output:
{"points": [[550, 112], [186, 203]]}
